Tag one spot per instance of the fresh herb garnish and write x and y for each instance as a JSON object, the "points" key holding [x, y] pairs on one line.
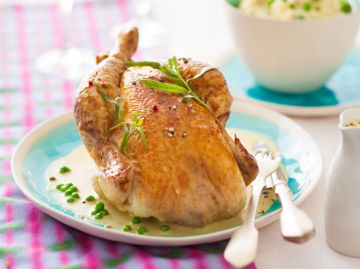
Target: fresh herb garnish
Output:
{"points": [[234, 3], [119, 106], [129, 127], [180, 86]]}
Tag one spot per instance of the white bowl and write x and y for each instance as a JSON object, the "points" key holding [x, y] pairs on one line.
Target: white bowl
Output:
{"points": [[292, 56]]}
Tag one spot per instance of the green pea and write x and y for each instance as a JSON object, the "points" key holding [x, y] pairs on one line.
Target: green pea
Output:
{"points": [[345, 7], [126, 228], [99, 206], [94, 212], [135, 220], [70, 200], [58, 187], [141, 230], [164, 228], [75, 195], [98, 216], [68, 192], [104, 212], [307, 6], [73, 188], [64, 188], [90, 198], [64, 170]]}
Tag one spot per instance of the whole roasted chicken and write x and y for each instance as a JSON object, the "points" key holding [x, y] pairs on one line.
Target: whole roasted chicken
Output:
{"points": [[159, 156]]}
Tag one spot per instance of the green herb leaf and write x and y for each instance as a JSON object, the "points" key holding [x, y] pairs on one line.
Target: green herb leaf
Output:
{"points": [[118, 113], [171, 70], [155, 65], [165, 87], [125, 140], [142, 135], [201, 73], [234, 3], [105, 97]]}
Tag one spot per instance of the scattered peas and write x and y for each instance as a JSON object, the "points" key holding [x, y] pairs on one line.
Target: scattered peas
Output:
{"points": [[126, 228], [141, 230], [99, 215], [64, 170], [270, 2], [68, 192], [99, 211], [99, 206], [164, 228], [135, 220], [52, 178], [90, 198]]}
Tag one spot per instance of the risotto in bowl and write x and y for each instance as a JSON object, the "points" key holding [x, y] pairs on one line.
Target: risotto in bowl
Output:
{"points": [[293, 46]]}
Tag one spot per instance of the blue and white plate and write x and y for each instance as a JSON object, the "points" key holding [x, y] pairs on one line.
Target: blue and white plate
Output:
{"points": [[57, 137], [340, 92]]}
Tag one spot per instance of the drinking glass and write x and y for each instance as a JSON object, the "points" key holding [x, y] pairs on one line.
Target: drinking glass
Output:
{"points": [[67, 62]]}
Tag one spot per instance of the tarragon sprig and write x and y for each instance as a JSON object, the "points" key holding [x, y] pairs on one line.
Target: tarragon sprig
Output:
{"points": [[180, 86], [119, 106], [129, 127]]}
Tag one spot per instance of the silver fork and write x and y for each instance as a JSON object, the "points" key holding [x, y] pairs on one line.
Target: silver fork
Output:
{"points": [[295, 224], [242, 247]]}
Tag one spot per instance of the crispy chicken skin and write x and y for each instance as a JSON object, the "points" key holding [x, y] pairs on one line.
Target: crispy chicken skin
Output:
{"points": [[190, 172]]}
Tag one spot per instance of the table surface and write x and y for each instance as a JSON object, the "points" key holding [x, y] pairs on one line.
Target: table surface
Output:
{"points": [[196, 29], [205, 35]]}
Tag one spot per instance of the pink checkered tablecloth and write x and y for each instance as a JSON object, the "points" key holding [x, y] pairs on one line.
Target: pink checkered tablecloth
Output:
{"points": [[29, 238]]}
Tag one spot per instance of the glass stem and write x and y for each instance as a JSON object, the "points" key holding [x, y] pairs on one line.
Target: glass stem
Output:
{"points": [[66, 7]]}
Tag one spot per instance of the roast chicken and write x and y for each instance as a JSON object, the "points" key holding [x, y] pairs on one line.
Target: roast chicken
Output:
{"points": [[190, 171]]}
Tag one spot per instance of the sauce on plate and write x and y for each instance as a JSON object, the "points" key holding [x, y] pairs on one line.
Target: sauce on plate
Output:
{"points": [[80, 170]]}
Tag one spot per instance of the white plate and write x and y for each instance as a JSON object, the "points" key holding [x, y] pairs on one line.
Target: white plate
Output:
{"points": [[58, 136]]}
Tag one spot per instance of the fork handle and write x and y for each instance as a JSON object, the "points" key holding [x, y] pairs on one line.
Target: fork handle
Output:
{"points": [[296, 226], [242, 247]]}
